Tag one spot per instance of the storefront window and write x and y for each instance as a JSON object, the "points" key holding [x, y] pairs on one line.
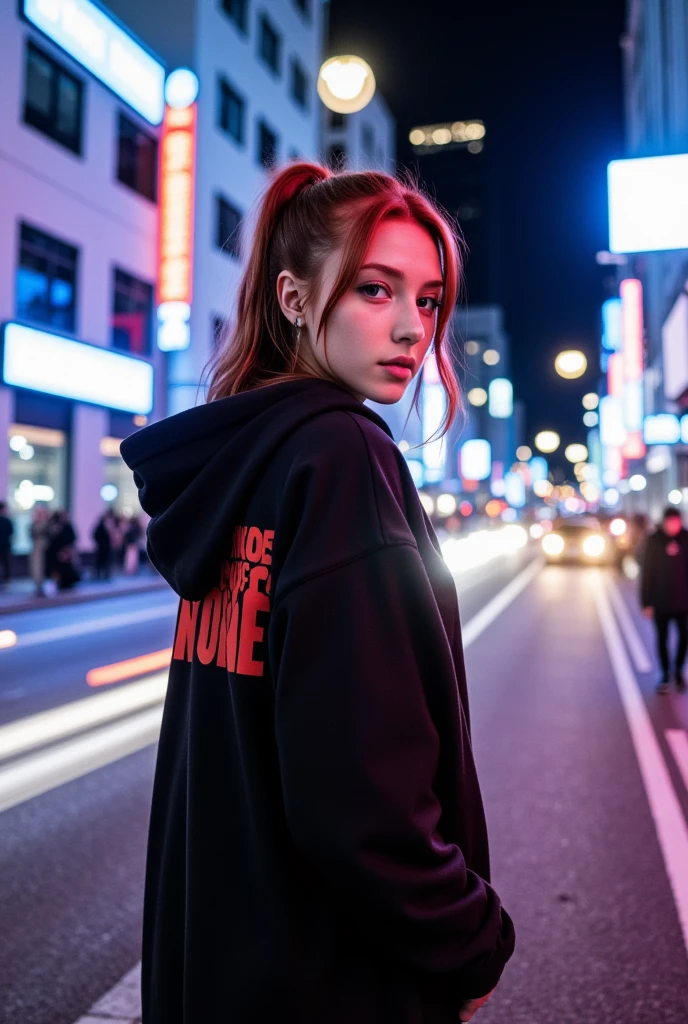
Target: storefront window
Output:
{"points": [[37, 476], [119, 490]]}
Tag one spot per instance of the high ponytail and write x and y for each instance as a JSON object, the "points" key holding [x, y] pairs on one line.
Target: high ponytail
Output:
{"points": [[305, 214]]}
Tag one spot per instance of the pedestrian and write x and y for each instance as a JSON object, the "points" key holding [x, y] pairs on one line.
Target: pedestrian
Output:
{"points": [[102, 535], [318, 849], [664, 593], [62, 555], [132, 546], [117, 528], [40, 536], [6, 532]]}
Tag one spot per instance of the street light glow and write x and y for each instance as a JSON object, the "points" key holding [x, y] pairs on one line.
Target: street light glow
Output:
{"points": [[576, 453], [547, 441], [346, 84], [591, 400], [570, 364]]}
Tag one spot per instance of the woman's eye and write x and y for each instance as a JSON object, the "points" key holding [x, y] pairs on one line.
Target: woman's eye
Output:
{"points": [[365, 286], [429, 298]]}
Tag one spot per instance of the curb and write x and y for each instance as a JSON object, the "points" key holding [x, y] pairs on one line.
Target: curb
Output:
{"points": [[57, 600]]}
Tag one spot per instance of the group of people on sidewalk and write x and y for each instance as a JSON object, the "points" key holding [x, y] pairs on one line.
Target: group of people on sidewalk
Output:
{"points": [[54, 555], [664, 594]]}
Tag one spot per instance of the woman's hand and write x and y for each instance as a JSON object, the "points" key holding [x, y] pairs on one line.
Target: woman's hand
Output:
{"points": [[472, 1006]]}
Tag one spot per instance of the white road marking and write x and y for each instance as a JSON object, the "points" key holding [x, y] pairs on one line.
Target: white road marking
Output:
{"points": [[678, 742], [671, 827], [121, 1005], [100, 625], [58, 723], [486, 616], [37, 773], [641, 658]]}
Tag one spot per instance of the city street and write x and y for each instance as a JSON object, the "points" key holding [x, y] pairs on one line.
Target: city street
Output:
{"points": [[584, 772]]}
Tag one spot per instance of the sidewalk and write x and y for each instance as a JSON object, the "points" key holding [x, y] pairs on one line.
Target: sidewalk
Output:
{"points": [[18, 595]]}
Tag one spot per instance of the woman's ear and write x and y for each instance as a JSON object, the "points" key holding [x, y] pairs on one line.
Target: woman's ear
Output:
{"points": [[290, 295]]}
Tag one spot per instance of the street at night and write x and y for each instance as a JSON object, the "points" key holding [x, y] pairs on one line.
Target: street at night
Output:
{"points": [[584, 773]]}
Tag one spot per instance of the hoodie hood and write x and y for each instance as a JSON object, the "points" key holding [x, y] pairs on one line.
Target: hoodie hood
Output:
{"points": [[196, 470]]}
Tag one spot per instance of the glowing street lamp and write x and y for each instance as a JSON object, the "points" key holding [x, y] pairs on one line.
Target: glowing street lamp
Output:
{"points": [[547, 441], [571, 364], [576, 453], [346, 84]]}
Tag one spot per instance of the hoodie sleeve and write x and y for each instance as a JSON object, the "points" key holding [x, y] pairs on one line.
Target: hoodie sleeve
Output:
{"points": [[353, 651]]}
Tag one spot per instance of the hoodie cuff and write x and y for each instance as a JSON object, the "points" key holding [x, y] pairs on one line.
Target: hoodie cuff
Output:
{"points": [[478, 981]]}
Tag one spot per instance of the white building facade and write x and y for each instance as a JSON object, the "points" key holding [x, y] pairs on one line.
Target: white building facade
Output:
{"points": [[78, 258], [257, 64]]}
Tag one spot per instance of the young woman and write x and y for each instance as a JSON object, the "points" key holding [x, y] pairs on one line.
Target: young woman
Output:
{"points": [[317, 849]]}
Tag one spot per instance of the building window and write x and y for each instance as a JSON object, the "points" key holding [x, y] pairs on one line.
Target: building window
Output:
{"points": [[237, 10], [137, 159], [304, 6], [267, 145], [52, 99], [269, 44], [231, 109], [336, 156], [299, 84], [46, 280], [368, 140], [132, 314], [336, 120], [228, 227]]}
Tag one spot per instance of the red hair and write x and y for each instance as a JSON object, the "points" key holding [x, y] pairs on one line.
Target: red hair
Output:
{"points": [[306, 214]]}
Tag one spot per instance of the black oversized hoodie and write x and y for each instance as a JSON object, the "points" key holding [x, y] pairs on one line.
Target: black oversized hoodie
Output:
{"points": [[317, 849]]}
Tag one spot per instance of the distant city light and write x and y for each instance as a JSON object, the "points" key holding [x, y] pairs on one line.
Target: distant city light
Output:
{"points": [[523, 453], [108, 492], [611, 496], [547, 441], [449, 132], [476, 459], [491, 356], [590, 419], [591, 400], [181, 88], [472, 348], [501, 398], [446, 504], [427, 502], [570, 364], [346, 84], [675, 497], [477, 396], [637, 482], [543, 488], [17, 442], [576, 452], [404, 446]]}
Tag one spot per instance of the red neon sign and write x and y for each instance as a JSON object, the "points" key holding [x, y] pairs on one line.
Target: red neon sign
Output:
{"points": [[177, 176], [631, 292]]}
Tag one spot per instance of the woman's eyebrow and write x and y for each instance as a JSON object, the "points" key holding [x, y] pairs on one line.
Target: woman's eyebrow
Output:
{"points": [[393, 272]]}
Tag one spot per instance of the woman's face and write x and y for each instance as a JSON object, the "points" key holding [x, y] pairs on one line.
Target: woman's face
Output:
{"points": [[390, 311]]}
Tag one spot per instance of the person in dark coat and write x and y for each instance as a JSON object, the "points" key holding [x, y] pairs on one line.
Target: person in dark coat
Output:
{"points": [[664, 592], [61, 554], [6, 531], [102, 535]]}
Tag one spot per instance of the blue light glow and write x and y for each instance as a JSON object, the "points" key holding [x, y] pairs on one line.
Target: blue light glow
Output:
{"points": [[84, 373], [648, 204], [612, 338], [96, 41]]}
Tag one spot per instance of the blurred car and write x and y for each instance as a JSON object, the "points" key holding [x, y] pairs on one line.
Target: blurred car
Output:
{"points": [[580, 540]]}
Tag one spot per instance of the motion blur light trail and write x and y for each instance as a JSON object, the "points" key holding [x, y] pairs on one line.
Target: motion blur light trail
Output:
{"points": [[462, 553], [128, 669]]}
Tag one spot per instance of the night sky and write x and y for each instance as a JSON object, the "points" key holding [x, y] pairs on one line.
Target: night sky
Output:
{"points": [[548, 85]]}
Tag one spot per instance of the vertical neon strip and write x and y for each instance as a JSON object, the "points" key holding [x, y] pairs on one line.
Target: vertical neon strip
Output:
{"points": [[631, 291], [177, 187]]}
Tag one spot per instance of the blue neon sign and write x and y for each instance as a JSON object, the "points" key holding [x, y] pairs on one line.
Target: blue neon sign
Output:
{"points": [[95, 40], [46, 362]]}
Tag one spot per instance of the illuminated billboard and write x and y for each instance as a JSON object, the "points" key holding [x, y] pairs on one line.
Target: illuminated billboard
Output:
{"points": [[648, 204], [476, 459], [501, 398], [675, 349], [94, 39], [42, 361]]}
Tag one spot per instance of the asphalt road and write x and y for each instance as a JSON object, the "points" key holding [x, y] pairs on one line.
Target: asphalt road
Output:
{"points": [[566, 761]]}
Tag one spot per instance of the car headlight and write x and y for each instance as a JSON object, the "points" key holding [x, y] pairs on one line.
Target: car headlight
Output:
{"points": [[593, 546], [553, 544]]}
